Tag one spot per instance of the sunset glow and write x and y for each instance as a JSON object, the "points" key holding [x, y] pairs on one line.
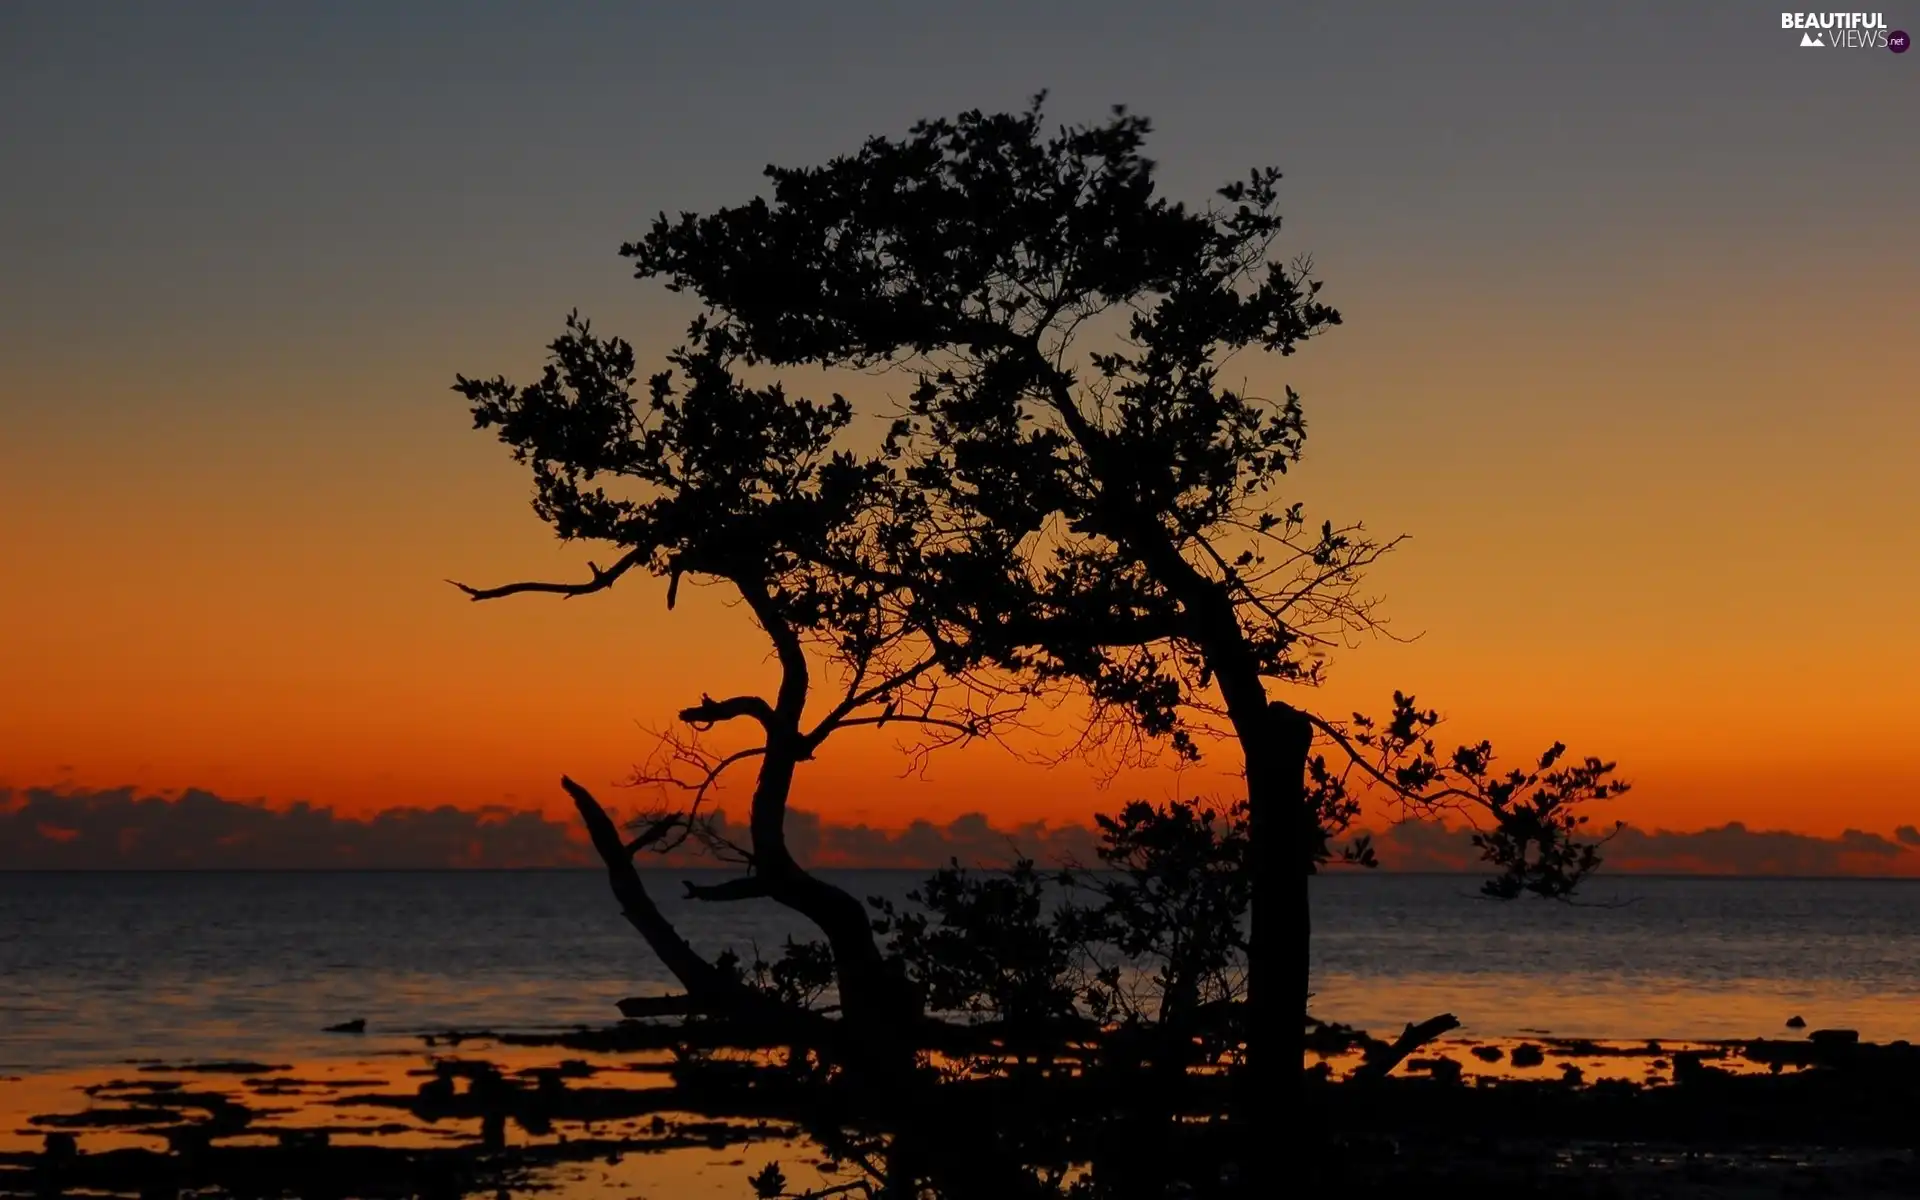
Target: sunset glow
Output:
{"points": [[1630, 369]]}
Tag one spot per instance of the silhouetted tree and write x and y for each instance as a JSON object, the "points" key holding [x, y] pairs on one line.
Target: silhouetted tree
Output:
{"points": [[1107, 504], [697, 476]]}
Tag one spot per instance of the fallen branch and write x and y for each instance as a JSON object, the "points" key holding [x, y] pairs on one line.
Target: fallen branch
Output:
{"points": [[1382, 1058], [747, 887], [636, 1007]]}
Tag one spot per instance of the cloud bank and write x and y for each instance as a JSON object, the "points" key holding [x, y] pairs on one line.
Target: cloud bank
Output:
{"points": [[1730, 849], [72, 829], [119, 828], [971, 838]]}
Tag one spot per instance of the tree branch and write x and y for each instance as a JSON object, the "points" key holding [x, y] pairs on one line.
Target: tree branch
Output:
{"points": [[656, 1006], [602, 579], [700, 977], [652, 833], [710, 712], [1383, 1060], [857, 699], [969, 728], [792, 697], [1360, 760]]}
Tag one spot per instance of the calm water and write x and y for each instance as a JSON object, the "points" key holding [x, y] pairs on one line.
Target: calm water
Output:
{"points": [[98, 968]]}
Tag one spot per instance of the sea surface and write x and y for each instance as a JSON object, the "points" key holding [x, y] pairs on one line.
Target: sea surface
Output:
{"points": [[102, 968]]}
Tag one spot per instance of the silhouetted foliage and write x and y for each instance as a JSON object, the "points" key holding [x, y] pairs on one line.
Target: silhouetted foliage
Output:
{"points": [[1174, 898], [1532, 831], [799, 977], [1071, 499], [704, 477], [1108, 501], [1533, 839], [986, 943], [1152, 935]]}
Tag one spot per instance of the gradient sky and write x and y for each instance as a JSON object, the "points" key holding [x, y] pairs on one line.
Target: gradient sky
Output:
{"points": [[1631, 302]]}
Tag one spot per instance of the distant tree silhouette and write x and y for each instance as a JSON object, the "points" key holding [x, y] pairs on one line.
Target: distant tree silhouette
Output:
{"points": [[1105, 507], [694, 475]]}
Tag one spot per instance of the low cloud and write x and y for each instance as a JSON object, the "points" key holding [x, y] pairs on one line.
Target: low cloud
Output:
{"points": [[71, 829], [970, 838], [1730, 849], [119, 828]]}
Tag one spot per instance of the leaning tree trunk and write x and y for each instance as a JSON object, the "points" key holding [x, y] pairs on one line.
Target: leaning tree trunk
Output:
{"points": [[873, 1036], [706, 987]]}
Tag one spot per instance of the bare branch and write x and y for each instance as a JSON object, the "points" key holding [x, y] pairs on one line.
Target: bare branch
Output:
{"points": [[856, 700], [656, 1006], [682, 764], [602, 579], [1383, 1060], [654, 831], [970, 729], [710, 712]]}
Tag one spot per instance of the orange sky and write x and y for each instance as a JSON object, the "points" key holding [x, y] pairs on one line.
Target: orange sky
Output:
{"points": [[1636, 380], [257, 612]]}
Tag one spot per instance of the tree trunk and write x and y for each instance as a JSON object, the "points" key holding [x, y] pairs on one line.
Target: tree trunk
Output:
{"points": [[876, 1014], [1279, 849]]}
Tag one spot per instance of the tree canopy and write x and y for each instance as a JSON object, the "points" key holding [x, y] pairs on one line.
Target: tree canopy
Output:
{"points": [[1071, 494]]}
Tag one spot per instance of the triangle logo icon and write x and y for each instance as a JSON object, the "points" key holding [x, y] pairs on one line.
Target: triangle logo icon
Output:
{"points": [[1812, 39]]}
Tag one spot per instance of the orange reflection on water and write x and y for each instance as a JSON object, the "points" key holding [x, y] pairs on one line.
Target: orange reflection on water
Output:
{"points": [[1504, 1005], [1577, 1061], [365, 1102]]}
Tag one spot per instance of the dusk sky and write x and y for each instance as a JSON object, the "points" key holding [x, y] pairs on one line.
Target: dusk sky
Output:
{"points": [[1630, 296]]}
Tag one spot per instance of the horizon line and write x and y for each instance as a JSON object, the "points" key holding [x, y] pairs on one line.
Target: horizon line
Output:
{"points": [[1361, 873]]}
